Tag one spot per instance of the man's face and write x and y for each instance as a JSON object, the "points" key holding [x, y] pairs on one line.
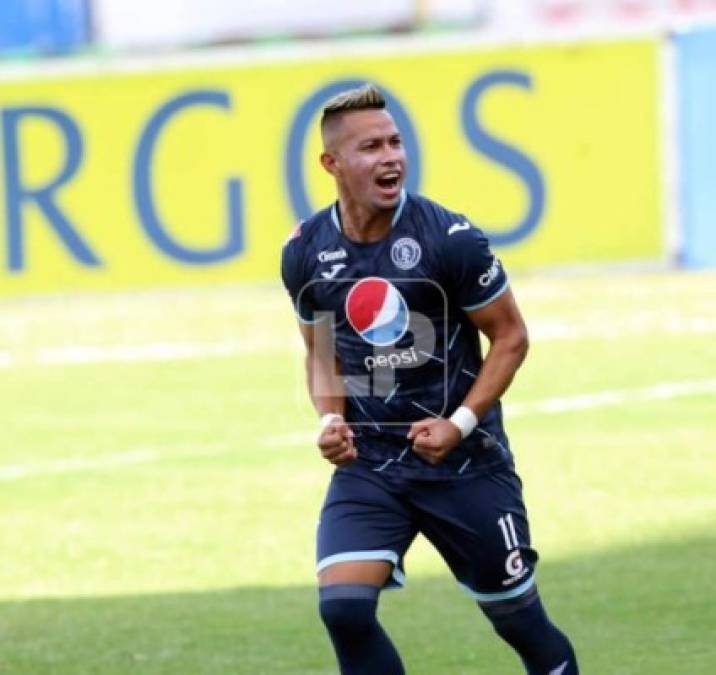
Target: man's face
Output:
{"points": [[365, 154]]}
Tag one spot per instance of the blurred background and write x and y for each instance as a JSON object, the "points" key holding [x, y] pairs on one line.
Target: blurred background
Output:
{"points": [[50, 27], [158, 484], [174, 142]]}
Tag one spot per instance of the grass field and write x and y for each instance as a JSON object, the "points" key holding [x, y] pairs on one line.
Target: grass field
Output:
{"points": [[159, 489]]}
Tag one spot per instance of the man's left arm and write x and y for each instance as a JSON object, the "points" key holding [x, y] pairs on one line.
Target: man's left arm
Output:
{"points": [[501, 322]]}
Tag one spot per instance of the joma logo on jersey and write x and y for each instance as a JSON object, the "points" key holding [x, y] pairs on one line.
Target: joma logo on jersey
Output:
{"points": [[330, 256], [335, 268]]}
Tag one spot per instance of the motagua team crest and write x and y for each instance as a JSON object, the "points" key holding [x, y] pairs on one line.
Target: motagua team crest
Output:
{"points": [[377, 311], [405, 253]]}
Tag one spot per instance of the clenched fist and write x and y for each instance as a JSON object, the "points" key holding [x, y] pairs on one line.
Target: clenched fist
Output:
{"points": [[336, 442], [433, 438]]}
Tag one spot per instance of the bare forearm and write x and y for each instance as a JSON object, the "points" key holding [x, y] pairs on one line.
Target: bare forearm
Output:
{"points": [[325, 386], [502, 361]]}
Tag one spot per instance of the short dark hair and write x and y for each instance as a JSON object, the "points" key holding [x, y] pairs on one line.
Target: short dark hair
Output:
{"points": [[367, 97]]}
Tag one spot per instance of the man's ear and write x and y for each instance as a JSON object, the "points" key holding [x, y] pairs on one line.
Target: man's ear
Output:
{"points": [[329, 163]]}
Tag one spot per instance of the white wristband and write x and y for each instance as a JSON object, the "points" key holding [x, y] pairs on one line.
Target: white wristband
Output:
{"points": [[465, 420], [328, 418]]}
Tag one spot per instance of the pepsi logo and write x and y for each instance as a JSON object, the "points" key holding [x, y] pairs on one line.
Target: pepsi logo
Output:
{"points": [[377, 311]]}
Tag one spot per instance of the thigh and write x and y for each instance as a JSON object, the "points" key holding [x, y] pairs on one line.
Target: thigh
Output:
{"points": [[479, 525], [369, 572], [363, 520]]}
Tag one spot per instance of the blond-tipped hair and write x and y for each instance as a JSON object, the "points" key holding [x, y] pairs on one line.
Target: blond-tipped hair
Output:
{"points": [[367, 97]]}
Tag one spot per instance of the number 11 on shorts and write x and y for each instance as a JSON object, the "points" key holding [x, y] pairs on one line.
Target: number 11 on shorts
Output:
{"points": [[508, 531]]}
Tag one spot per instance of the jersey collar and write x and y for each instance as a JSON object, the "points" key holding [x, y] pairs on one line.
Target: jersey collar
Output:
{"points": [[393, 223]]}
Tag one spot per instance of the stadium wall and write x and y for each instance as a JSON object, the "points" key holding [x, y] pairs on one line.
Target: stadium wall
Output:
{"points": [[194, 171]]}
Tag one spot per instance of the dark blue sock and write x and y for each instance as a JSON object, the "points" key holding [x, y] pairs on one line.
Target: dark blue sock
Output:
{"points": [[361, 645], [523, 623]]}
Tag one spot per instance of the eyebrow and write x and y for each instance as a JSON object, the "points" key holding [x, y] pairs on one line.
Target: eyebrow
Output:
{"points": [[372, 139]]}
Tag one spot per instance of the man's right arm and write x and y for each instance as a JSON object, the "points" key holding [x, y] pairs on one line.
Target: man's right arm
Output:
{"points": [[325, 387], [322, 369]]}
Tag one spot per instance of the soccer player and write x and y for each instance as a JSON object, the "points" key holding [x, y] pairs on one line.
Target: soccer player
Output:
{"points": [[391, 290]]}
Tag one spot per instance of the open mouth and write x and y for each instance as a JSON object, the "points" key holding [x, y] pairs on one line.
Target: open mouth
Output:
{"points": [[389, 181]]}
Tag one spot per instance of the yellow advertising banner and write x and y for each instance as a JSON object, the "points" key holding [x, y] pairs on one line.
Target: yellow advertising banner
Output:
{"points": [[197, 174]]}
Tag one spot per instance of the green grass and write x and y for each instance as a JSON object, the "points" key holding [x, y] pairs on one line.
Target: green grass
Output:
{"points": [[158, 517]]}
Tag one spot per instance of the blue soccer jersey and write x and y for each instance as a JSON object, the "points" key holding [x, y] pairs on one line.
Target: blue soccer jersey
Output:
{"points": [[397, 312]]}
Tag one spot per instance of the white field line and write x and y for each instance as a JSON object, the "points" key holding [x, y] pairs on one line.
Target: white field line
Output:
{"points": [[15, 471], [551, 406], [77, 354], [660, 392], [545, 331], [10, 472], [158, 351]]}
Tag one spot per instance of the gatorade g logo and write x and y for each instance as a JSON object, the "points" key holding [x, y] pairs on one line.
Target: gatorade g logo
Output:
{"points": [[513, 564], [377, 311]]}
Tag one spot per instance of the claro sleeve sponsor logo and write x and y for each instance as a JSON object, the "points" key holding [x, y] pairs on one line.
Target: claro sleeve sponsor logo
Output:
{"points": [[488, 277]]}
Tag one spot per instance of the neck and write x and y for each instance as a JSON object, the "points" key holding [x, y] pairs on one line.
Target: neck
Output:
{"points": [[362, 223]]}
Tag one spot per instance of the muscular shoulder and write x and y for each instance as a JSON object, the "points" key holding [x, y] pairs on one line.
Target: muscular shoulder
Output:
{"points": [[306, 234], [437, 220], [300, 249], [473, 274]]}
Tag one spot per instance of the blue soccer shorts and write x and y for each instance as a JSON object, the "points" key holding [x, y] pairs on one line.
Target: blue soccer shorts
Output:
{"points": [[478, 524]]}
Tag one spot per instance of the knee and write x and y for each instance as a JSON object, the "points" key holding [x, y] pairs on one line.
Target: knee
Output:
{"points": [[343, 616], [348, 609], [517, 619], [523, 623], [501, 612]]}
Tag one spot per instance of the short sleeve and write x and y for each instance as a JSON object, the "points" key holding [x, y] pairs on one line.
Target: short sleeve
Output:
{"points": [[292, 273], [476, 274]]}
